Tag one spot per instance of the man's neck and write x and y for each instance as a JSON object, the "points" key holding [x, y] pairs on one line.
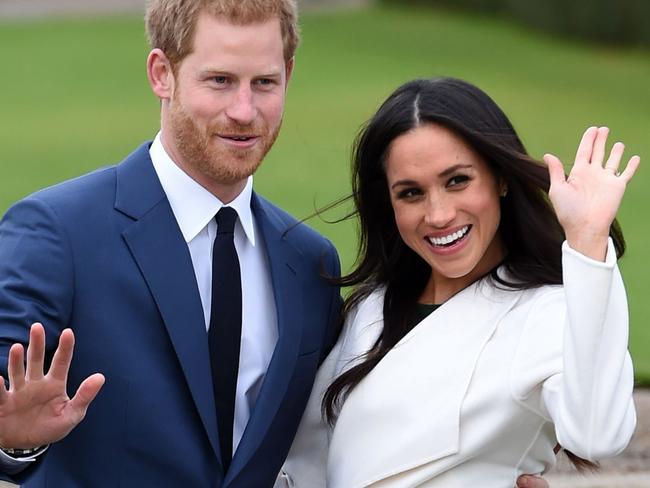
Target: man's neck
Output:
{"points": [[226, 193]]}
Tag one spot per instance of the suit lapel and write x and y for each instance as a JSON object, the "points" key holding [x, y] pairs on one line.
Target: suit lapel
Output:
{"points": [[161, 253], [285, 267]]}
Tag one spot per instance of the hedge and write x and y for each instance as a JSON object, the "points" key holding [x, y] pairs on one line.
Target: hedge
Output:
{"points": [[609, 21]]}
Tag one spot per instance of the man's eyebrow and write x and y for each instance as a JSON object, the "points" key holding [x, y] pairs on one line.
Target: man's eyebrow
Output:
{"points": [[271, 73]]}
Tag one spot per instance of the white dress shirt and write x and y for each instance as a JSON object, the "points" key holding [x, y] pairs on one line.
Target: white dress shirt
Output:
{"points": [[195, 208]]}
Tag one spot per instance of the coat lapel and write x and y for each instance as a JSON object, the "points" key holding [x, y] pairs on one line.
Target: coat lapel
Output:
{"points": [[285, 267], [161, 253]]}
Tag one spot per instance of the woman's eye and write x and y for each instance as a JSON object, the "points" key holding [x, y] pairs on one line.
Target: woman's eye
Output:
{"points": [[458, 180], [408, 193]]}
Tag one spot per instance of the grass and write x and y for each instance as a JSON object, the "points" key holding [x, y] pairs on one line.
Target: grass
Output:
{"points": [[74, 97]]}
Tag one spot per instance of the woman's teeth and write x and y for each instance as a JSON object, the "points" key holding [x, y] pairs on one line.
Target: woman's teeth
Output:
{"points": [[450, 239]]}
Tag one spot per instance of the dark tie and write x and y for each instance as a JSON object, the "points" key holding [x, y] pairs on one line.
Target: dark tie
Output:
{"points": [[224, 335]]}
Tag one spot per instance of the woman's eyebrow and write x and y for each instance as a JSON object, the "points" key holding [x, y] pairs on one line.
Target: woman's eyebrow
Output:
{"points": [[453, 169]]}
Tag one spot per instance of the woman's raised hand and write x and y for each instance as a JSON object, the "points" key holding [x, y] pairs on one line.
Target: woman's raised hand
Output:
{"points": [[36, 409], [587, 201]]}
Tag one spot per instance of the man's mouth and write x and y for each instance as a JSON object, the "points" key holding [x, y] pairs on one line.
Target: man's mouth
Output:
{"points": [[238, 138], [451, 239], [238, 141]]}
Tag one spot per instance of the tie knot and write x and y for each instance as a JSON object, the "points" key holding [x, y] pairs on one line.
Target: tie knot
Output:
{"points": [[226, 218]]}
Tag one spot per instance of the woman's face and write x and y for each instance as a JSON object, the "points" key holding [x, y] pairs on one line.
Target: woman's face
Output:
{"points": [[446, 204]]}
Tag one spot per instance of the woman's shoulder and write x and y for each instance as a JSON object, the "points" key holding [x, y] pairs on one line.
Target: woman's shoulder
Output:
{"points": [[542, 296], [363, 324], [368, 308]]}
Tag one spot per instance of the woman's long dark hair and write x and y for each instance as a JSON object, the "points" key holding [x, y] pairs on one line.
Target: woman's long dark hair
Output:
{"points": [[529, 229]]}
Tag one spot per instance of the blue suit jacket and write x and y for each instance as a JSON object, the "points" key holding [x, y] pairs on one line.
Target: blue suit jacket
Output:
{"points": [[103, 254]]}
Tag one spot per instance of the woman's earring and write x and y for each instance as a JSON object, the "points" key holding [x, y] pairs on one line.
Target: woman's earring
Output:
{"points": [[504, 192]]}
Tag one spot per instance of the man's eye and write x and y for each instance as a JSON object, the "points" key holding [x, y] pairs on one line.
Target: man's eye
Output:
{"points": [[220, 80], [265, 82]]}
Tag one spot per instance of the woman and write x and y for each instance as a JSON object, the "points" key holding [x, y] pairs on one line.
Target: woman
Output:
{"points": [[475, 340]]}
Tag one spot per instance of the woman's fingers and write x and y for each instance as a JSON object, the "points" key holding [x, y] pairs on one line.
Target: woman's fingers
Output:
{"points": [[16, 367], [615, 157], [583, 156], [598, 151], [630, 169], [555, 169], [35, 352]]}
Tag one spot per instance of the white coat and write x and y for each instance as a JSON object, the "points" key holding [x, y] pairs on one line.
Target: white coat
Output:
{"points": [[480, 391]]}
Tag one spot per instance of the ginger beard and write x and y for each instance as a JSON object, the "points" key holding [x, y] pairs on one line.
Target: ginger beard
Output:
{"points": [[211, 156]]}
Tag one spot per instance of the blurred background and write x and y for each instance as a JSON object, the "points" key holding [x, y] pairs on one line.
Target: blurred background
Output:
{"points": [[74, 95]]}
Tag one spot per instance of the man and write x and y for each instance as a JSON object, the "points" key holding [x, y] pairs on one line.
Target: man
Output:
{"points": [[124, 258], [155, 266]]}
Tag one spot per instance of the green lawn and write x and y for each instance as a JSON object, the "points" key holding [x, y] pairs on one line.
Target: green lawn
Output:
{"points": [[74, 97]]}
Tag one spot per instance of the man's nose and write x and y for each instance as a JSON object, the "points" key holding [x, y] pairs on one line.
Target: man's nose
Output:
{"points": [[242, 109]]}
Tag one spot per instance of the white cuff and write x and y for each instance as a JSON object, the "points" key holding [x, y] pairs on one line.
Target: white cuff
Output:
{"points": [[7, 461], [610, 257]]}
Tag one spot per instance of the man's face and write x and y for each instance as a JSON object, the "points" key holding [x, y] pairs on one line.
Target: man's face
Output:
{"points": [[226, 107]]}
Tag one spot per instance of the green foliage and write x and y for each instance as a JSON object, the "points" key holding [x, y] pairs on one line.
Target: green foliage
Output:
{"points": [[625, 21], [75, 97], [620, 21]]}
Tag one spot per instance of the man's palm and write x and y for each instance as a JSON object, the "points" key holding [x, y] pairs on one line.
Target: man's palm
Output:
{"points": [[36, 409]]}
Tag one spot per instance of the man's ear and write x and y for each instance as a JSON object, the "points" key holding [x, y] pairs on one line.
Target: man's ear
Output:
{"points": [[160, 74], [289, 69]]}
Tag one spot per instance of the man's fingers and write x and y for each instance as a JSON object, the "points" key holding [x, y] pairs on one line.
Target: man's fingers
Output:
{"points": [[631, 168], [16, 367], [583, 156], [3, 390], [598, 151], [86, 393], [62, 356], [35, 352], [555, 169]]}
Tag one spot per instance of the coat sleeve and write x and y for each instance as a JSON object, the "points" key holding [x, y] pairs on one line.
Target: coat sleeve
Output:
{"points": [[36, 275], [333, 270], [306, 465], [36, 279], [587, 390]]}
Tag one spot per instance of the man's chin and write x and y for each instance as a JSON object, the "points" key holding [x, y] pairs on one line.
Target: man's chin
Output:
{"points": [[233, 171]]}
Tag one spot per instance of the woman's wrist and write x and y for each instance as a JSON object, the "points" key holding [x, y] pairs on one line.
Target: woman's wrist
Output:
{"points": [[588, 243]]}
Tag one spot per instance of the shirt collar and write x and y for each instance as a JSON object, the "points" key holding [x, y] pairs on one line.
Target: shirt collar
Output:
{"points": [[194, 206]]}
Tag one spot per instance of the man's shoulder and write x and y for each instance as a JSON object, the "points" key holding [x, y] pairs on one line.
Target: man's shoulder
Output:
{"points": [[75, 188], [295, 231], [82, 191]]}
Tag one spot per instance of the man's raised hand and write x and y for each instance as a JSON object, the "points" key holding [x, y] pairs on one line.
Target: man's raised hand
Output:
{"points": [[36, 409]]}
